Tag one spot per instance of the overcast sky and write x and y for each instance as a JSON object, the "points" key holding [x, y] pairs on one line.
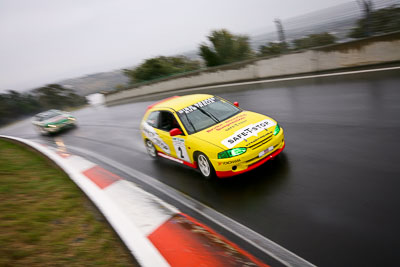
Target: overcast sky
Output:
{"points": [[45, 41]]}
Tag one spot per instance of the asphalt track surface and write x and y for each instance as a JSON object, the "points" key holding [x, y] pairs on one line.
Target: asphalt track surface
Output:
{"points": [[332, 197]]}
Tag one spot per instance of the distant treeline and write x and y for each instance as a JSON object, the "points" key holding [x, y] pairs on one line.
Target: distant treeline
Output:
{"points": [[15, 105], [223, 47]]}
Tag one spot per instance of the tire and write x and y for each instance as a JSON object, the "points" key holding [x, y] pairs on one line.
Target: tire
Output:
{"points": [[205, 167], [151, 150]]}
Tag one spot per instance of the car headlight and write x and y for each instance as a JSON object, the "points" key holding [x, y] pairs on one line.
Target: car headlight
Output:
{"points": [[51, 125], [232, 152], [71, 118], [277, 129]]}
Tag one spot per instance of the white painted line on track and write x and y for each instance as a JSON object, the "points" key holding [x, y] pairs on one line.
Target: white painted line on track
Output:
{"points": [[79, 163], [262, 243], [146, 211], [298, 77]]}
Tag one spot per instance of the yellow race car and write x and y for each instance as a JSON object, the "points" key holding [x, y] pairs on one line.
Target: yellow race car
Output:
{"points": [[209, 133]]}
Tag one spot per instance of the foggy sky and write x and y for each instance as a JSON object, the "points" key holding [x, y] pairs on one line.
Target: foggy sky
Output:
{"points": [[45, 41]]}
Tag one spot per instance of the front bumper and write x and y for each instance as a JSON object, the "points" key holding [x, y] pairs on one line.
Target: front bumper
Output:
{"points": [[59, 127], [250, 160]]}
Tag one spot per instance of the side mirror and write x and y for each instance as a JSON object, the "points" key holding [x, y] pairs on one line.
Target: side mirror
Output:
{"points": [[175, 131], [236, 104]]}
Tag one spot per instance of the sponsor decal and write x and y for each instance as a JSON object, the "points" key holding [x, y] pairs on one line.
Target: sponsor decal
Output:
{"points": [[180, 148], [200, 104], [235, 125], [258, 138], [230, 123], [229, 162], [246, 132], [150, 133]]}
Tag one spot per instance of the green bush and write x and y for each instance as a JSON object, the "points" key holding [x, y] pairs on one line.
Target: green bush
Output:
{"points": [[272, 49], [158, 67], [381, 21], [225, 48], [314, 40]]}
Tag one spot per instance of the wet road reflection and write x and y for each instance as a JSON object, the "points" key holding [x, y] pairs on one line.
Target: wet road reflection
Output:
{"points": [[331, 197]]}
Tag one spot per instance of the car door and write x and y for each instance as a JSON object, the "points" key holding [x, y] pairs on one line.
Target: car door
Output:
{"points": [[167, 122], [151, 131]]}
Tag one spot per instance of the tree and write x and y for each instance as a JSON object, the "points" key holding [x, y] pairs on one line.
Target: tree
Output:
{"points": [[380, 21], [158, 67], [225, 48], [272, 49], [57, 96], [314, 40], [9, 105], [14, 105]]}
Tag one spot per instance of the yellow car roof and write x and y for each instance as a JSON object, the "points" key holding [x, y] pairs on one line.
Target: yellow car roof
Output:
{"points": [[180, 102]]}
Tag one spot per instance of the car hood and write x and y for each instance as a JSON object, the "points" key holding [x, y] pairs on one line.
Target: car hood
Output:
{"points": [[55, 120], [241, 130]]}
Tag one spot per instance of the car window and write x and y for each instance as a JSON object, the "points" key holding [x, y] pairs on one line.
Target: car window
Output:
{"points": [[152, 119], [47, 115], [221, 109], [206, 113], [168, 121], [187, 124], [200, 120]]}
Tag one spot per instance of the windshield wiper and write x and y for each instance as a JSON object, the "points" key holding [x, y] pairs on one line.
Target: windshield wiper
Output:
{"points": [[194, 128], [208, 114]]}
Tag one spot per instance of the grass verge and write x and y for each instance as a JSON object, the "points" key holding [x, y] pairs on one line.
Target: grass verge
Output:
{"points": [[45, 220]]}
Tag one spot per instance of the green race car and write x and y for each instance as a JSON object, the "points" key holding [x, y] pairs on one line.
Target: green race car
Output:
{"points": [[53, 120]]}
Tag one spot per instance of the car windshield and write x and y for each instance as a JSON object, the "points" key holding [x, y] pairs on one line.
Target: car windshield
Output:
{"points": [[206, 113], [47, 115]]}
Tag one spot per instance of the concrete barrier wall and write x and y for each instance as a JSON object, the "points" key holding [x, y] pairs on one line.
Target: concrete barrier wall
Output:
{"points": [[375, 50]]}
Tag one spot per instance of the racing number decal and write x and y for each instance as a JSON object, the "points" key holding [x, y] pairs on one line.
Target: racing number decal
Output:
{"points": [[180, 148], [180, 152]]}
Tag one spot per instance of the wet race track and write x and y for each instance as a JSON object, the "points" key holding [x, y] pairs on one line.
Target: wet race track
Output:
{"points": [[331, 197]]}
